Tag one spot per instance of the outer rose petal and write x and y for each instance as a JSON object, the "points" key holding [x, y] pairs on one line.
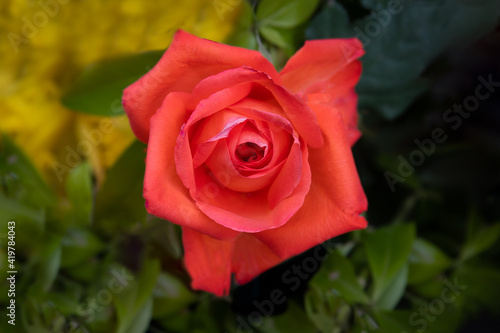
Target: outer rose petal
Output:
{"points": [[186, 62], [335, 200], [165, 195], [339, 93], [208, 261], [211, 261], [251, 257], [317, 62]]}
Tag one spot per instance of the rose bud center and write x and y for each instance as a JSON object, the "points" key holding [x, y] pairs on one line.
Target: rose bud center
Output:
{"points": [[250, 152]]}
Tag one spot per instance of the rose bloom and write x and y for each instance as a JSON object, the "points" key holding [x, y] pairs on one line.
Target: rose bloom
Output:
{"points": [[255, 165]]}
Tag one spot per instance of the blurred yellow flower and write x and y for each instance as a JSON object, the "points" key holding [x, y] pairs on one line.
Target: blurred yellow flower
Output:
{"points": [[48, 42]]}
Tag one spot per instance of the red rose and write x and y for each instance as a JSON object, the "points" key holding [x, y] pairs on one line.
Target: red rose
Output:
{"points": [[255, 165]]}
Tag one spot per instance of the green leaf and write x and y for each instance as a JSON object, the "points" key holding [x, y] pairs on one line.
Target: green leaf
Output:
{"points": [[79, 192], [337, 274], [327, 311], [283, 38], [293, 320], [479, 241], [394, 321], [19, 179], [395, 289], [477, 281], [170, 296], [426, 261], [140, 322], [285, 13], [79, 245], [387, 250], [332, 21], [133, 303], [397, 56], [33, 219], [243, 34], [99, 88], [119, 203], [48, 264]]}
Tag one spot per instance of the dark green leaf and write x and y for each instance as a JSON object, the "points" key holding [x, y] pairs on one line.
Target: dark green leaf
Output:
{"points": [[480, 240], [387, 250], [140, 322], [394, 321], [119, 203], [33, 219], [135, 302], [293, 320], [397, 55], [327, 311], [170, 296], [394, 291], [426, 261], [475, 283], [100, 87], [332, 21], [48, 264], [79, 245], [20, 179], [337, 274]]}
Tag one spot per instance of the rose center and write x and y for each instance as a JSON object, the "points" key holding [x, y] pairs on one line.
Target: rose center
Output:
{"points": [[250, 152]]}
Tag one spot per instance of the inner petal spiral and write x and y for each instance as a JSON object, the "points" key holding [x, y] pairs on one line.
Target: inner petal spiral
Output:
{"points": [[250, 152]]}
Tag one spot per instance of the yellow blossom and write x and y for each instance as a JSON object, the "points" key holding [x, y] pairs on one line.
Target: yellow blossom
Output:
{"points": [[47, 43]]}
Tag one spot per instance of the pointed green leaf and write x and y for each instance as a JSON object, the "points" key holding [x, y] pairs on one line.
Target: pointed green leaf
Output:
{"points": [[99, 88], [426, 261], [285, 13], [119, 203], [387, 250], [132, 303], [480, 240], [394, 291], [20, 179], [337, 274]]}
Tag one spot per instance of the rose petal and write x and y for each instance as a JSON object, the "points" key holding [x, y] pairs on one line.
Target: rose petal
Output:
{"points": [[335, 200], [222, 168], [292, 108], [288, 178], [339, 93], [204, 147], [207, 107], [250, 212], [251, 257], [347, 106], [317, 62], [164, 192], [186, 62], [208, 261]]}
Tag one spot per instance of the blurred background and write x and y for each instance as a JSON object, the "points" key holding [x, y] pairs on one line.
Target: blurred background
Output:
{"points": [[87, 256]]}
